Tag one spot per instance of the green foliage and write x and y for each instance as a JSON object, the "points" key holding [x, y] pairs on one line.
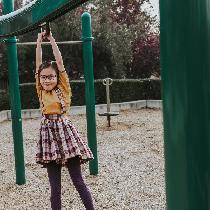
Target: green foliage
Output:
{"points": [[115, 32], [4, 100], [148, 50], [29, 98]]}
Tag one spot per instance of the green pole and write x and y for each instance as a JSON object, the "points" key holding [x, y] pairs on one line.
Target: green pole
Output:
{"points": [[89, 90], [185, 72], [15, 102]]}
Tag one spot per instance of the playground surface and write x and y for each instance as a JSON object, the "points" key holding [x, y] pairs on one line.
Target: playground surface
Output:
{"points": [[131, 166]]}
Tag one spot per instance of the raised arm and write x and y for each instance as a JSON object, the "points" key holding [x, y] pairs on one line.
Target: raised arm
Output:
{"points": [[56, 53], [39, 51]]}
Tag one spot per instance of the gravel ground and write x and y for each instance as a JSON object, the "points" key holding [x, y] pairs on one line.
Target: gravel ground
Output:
{"points": [[131, 166]]}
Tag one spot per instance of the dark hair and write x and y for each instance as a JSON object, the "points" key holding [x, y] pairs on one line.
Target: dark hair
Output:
{"points": [[47, 64]]}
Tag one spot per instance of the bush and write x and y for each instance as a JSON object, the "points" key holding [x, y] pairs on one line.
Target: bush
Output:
{"points": [[4, 100], [120, 91]]}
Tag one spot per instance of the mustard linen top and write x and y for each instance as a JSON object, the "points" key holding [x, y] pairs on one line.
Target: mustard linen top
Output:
{"points": [[49, 100]]}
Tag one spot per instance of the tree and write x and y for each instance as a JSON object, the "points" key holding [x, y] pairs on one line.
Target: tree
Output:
{"points": [[146, 57], [127, 11], [119, 24], [119, 27], [3, 59], [18, 4]]}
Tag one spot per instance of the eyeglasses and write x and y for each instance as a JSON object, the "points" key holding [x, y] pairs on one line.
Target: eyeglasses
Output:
{"points": [[49, 77]]}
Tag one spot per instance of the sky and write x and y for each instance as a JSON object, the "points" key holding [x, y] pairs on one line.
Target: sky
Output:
{"points": [[155, 10]]}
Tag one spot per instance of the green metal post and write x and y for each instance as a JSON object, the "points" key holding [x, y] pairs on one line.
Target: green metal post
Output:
{"points": [[185, 70], [89, 90], [15, 102]]}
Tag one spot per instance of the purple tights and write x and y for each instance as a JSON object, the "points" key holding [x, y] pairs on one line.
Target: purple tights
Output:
{"points": [[54, 174]]}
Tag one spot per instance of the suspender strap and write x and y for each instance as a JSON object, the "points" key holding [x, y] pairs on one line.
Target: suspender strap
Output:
{"points": [[60, 97]]}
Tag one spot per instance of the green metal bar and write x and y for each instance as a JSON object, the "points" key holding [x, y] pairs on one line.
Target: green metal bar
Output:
{"points": [[185, 70], [89, 90], [33, 14], [15, 103]]}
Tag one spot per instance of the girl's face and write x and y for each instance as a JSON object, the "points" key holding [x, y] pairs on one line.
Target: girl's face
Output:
{"points": [[48, 78]]}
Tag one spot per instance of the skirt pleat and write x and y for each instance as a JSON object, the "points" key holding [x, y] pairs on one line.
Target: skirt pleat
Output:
{"points": [[59, 140]]}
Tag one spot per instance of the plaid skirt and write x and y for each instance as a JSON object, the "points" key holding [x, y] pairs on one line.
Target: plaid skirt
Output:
{"points": [[59, 140]]}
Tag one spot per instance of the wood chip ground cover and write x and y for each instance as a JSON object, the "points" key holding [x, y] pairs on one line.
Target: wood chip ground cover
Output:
{"points": [[131, 166]]}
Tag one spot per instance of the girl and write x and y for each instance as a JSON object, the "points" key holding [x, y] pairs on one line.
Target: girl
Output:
{"points": [[59, 143]]}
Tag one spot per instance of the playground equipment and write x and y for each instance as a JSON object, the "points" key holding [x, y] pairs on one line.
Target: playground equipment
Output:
{"points": [[107, 82], [22, 21], [33, 15], [185, 72]]}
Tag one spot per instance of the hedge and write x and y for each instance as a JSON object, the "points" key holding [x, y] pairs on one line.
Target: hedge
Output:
{"points": [[120, 91]]}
